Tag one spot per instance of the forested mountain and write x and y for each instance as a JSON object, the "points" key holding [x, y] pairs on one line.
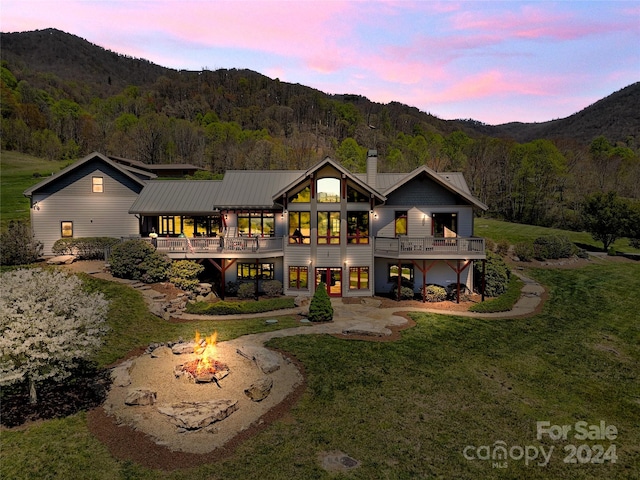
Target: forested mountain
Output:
{"points": [[63, 97]]}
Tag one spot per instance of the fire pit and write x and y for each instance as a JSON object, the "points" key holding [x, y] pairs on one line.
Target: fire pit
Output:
{"points": [[172, 394], [205, 368]]}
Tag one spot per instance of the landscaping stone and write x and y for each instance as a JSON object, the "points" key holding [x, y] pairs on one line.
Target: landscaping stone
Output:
{"points": [[266, 360], [184, 347], [196, 415], [161, 352], [120, 375], [337, 461], [367, 329], [62, 260], [141, 396], [260, 389]]}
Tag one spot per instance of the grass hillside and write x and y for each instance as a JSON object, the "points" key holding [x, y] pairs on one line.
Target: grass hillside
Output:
{"points": [[513, 233], [409, 408], [18, 172]]}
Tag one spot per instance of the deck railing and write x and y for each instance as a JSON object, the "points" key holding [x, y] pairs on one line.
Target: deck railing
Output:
{"points": [[217, 244], [406, 246]]}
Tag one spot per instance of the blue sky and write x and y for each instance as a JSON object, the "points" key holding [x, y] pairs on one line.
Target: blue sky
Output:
{"points": [[493, 61]]}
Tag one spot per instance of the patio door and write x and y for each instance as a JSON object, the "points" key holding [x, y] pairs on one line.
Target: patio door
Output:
{"points": [[332, 277]]}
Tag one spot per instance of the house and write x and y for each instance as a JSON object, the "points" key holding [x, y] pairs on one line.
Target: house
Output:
{"points": [[360, 234], [90, 198]]}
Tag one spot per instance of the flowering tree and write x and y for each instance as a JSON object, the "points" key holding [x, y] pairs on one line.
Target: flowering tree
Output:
{"points": [[48, 323]]}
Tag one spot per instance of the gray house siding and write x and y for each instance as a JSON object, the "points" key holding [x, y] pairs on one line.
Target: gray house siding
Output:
{"points": [[422, 191], [70, 199]]}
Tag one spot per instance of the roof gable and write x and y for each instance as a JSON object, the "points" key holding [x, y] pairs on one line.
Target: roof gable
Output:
{"points": [[320, 166], [136, 176], [452, 181]]}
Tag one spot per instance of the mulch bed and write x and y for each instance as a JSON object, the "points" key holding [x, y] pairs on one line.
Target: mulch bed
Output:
{"points": [[86, 388]]}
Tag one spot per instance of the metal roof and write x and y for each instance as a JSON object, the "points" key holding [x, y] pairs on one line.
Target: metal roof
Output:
{"points": [[253, 189], [168, 197]]}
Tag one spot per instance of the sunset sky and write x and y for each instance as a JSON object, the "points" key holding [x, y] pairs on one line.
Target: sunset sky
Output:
{"points": [[493, 61]]}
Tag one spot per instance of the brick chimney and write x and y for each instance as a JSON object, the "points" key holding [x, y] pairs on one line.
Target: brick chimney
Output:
{"points": [[372, 168]]}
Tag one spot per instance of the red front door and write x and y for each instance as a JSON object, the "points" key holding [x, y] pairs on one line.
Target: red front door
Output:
{"points": [[332, 278]]}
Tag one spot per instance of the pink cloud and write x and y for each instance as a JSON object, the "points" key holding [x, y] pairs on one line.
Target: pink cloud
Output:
{"points": [[535, 22]]}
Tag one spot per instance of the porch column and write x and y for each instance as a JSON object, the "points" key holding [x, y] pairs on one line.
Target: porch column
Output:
{"points": [[399, 279]]}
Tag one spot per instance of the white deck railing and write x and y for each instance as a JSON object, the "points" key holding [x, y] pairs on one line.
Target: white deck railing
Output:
{"points": [[217, 244], [429, 245]]}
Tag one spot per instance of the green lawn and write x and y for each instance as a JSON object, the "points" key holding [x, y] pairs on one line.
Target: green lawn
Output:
{"points": [[16, 175], [498, 230], [407, 409]]}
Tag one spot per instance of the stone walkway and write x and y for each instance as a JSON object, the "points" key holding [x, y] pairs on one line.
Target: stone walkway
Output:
{"points": [[364, 319]]}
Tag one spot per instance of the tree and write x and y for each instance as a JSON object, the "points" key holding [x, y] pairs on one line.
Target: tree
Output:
{"points": [[606, 217], [48, 325], [18, 244], [320, 309]]}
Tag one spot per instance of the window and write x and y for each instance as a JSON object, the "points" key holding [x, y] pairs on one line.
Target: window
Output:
{"points": [[66, 229], [299, 278], [354, 195], [256, 224], [303, 196], [401, 223], [407, 273], [358, 227], [358, 278], [328, 228], [168, 225], [445, 224], [328, 190], [249, 271], [299, 227], [97, 185]]}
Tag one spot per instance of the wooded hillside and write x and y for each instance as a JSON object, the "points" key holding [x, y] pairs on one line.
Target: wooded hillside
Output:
{"points": [[63, 97]]}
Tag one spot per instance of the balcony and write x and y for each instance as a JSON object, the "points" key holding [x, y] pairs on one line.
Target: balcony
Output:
{"points": [[219, 247], [435, 248]]}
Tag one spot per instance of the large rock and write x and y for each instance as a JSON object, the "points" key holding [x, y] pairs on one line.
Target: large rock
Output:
{"points": [[162, 351], [62, 260], [267, 360], [186, 347], [141, 396], [260, 389], [120, 375], [196, 415]]}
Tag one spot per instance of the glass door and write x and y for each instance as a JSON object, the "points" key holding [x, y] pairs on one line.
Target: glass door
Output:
{"points": [[332, 278]]}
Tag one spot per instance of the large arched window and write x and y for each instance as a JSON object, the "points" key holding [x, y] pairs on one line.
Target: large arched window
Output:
{"points": [[328, 190]]}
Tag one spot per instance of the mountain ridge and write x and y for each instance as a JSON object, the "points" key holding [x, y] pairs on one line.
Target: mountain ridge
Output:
{"points": [[72, 58]]}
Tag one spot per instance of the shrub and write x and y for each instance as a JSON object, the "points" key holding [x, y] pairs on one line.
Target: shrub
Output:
{"points": [[497, 275], [48, 325], [89, 248], [272, 288], [247, 291], [524, 251], [228, 308], [406, 293], [504, 302], [18, 246], [184, 274], [502, 248], [435, 293], [452, 292], [138, 260], [552, 247], [320, 309], [490, 244], [231, 289]]}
